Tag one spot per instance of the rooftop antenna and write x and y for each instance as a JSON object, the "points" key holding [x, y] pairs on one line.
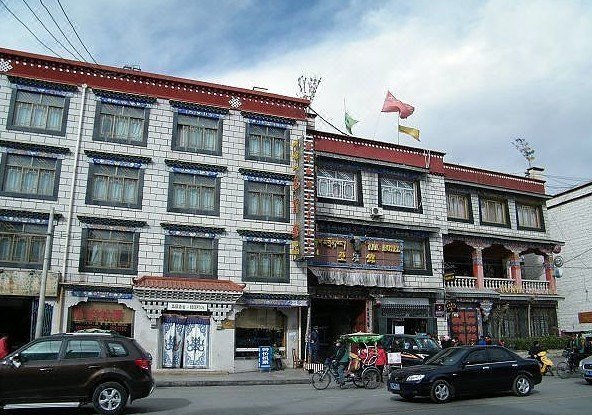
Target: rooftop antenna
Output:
{"points": [[524, 148], [307, 85]]}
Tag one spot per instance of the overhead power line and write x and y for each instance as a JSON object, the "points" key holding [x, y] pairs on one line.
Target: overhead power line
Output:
{"points": [[29, 30], [75, 32], [62, 32], [49, 31]]}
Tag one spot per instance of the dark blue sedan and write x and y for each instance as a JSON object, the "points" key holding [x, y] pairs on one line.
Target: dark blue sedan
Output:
{"points": [[467, 370]]}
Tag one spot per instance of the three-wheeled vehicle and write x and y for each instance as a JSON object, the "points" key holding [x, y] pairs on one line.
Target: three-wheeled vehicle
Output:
{"points": [[362, 371]]}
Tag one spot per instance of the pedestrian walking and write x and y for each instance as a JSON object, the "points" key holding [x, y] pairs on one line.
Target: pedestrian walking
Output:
{"points": [[4, 346], [380, 359]]}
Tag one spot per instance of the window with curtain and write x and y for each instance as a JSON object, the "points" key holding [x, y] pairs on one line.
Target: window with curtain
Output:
{"points": [[38, 112], [459, 206], [268, 143], [334, 184], [414, 255], [22, 244], [191, 256], [29, 176], [197, 134], [494, 211], [265, 262], [109, 251], [398, 193], [192, 193], [115, 185], [529, 216], [266, 201], [121, 124]]}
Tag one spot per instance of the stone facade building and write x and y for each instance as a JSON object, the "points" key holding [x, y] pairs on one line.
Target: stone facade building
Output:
{"points": [[569, 214]]}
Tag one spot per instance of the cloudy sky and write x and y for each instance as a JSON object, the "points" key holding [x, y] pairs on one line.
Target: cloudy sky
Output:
{"points": [[479, 73]]}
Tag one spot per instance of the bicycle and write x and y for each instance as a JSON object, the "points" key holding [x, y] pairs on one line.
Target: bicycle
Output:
{"points": [[367, 377], [569, 367]]}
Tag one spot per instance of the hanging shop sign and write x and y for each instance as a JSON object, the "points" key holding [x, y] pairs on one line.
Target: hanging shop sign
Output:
{"points": [[187, 307], [585, 317], [265, 358], [340, 250], [439, 309], [451, 306], [112, 295], [27, 283]]}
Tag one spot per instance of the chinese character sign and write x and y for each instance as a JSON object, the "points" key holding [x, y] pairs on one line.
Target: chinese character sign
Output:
{"points": [[265, 357]]}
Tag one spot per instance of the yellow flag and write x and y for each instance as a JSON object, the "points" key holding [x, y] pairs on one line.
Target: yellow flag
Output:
{"points": [[413, 132]]}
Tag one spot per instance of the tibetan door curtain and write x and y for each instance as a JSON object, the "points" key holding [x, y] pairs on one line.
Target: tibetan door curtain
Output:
{"points": [[185, 341]]}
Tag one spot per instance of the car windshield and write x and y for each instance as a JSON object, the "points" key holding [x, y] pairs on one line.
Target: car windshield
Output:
{"points": [[427, 344], [447, 357]]}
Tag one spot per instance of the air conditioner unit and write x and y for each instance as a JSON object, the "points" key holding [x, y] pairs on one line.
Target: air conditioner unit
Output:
{"points": [[376, 212]]}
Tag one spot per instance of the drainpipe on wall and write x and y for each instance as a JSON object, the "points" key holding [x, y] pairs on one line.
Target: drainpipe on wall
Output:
{"points": [[71, 204]]}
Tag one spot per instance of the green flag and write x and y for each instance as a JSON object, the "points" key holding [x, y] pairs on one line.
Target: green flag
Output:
{"points": [[349, 122]]}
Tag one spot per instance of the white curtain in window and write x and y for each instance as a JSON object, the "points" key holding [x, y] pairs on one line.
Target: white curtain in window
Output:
{"points": [[130, 191], [121, 127], [54, 118], [23, 112], [12, 181], [39, 116], [136, 127]]}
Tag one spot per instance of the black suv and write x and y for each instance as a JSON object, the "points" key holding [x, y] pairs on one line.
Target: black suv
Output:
{"points": [[104, 369], [414, 349]]}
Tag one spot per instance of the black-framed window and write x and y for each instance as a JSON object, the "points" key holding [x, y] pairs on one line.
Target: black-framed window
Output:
{"points": [[416, 256], [265, 143], [399, 194], [265, 262], [112, 185], [494, 211], [22, 245], [342, 186], [529, 216], [29, 176], [109, 251], [189, 256], [267, 201], [118, 123], [197, 134], [459, 207], [193, 193], [38, 112]]}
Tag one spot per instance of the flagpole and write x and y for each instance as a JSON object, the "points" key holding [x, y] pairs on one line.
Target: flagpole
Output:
{"points": [[398, 132]]}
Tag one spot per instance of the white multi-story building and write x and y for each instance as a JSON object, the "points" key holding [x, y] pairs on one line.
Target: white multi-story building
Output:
{"points": [[570, 214], [173, 203]]}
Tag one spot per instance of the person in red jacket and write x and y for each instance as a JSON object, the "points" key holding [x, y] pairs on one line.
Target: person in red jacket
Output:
{"points": [[380, 359], [4, 348]]}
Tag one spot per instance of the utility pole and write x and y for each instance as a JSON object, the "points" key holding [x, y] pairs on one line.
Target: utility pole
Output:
{"points": [[41, 305]]}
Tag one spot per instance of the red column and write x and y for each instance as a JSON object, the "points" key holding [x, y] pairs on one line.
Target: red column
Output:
{"points": [[478, 268], [515, 269], [549, 274]]}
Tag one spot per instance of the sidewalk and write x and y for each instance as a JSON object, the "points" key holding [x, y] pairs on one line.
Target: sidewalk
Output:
{"points": [[181, 377]]}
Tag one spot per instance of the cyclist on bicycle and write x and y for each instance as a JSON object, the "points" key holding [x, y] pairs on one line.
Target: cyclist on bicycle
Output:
{"points": [[340, 359]]}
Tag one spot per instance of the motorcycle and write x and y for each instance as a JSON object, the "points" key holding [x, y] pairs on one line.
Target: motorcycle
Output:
{"points": [[545, 363]]}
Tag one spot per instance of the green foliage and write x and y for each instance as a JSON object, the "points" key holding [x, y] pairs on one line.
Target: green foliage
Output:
{"points": [[548, 342]]}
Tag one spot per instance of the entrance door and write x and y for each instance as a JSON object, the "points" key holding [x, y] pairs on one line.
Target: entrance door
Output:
{"points": [[464, 325]]}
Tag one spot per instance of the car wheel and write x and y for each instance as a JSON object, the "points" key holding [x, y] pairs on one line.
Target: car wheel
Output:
{"points": [[110, 398], [320, 380], [522, 385], [441, 391]]}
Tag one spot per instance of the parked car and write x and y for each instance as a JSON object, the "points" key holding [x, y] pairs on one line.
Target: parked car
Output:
{"points": [[466, 370], [414, 349], [586, 369], [104, 369]]}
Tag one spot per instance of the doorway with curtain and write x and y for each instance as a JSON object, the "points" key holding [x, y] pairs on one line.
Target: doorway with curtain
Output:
{"points": [[185, 341]]}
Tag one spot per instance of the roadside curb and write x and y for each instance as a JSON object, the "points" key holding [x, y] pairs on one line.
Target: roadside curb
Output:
{"points": [[193, 383]]}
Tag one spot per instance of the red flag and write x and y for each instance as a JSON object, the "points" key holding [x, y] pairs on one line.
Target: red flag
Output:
{"points": [[392, 104]]}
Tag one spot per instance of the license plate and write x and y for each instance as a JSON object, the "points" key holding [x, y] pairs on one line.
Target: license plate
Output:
{"points": [[588, 372], [395, 386]]}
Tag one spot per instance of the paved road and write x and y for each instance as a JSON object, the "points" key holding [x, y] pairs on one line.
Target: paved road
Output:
{"points": [[554, 396]]}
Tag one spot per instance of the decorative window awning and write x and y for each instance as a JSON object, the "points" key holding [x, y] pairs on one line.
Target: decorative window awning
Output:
{"points": [[358, 277], [155, 293]]}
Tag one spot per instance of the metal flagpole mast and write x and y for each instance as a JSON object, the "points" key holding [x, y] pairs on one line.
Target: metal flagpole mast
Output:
{"points": [[398, 132]]}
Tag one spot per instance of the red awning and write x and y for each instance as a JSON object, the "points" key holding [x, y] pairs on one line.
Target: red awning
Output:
{"points": [[191, 284]]}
